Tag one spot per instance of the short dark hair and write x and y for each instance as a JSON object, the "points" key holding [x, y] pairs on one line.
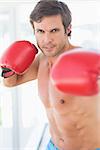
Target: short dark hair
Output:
{"points": [[49, 8]]}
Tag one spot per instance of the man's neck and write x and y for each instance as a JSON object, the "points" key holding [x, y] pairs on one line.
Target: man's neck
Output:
{"points": [[51, 60]]}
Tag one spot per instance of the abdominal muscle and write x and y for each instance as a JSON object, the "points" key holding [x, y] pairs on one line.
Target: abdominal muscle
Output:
{"points": [[70, 132], [73, 121]]}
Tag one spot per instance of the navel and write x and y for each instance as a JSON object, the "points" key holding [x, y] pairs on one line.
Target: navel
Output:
{"points": [[62, 140]]}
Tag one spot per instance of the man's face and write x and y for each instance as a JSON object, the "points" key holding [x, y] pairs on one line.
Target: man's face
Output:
{"points": [[50, 35]]}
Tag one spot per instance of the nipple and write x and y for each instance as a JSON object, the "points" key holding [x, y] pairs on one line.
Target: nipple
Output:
{"points": [[62, 101]]}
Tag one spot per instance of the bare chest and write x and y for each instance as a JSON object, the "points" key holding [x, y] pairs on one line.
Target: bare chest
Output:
{"points": [[50, 97], [43, 84], [59, 101]]}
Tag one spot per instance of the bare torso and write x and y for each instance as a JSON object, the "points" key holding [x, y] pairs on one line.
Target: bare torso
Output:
{"points": [[73, 120]]}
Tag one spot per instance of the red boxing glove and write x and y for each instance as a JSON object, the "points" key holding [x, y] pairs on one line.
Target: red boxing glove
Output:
{"points": [[77, 72], [17, 58]]}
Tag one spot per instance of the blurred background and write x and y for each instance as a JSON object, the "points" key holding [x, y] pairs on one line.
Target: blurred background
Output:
{"points": [[23, 122]]}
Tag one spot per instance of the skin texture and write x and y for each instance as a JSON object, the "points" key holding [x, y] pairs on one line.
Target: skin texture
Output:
{"points": [[73, 120]]}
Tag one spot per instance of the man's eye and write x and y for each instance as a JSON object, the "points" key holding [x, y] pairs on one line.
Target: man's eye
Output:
{"points": [[54, 30], [40, 31]]}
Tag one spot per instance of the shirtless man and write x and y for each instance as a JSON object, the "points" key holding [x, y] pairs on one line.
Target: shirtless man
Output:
{"points": [[73, 119]]}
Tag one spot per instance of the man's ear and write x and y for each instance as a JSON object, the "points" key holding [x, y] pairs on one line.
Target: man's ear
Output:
{"points": [[69, 30]]}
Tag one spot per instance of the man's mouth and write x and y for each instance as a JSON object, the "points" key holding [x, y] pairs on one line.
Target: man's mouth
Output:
{"points": [[48, 48]]}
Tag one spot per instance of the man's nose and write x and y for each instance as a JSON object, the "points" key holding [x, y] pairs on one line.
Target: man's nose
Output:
{"points": [[47, 38]]}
